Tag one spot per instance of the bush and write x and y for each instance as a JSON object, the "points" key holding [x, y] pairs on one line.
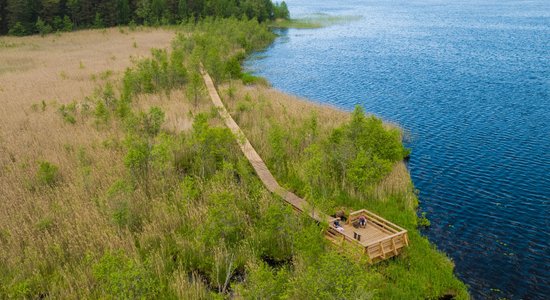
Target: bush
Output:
{"points": [[355, 156], [122, 278], [42, 27], [101, 113], [98, 21], [67, 24], [137, 157], [152, 121], [68, 112], [18, 30], [47, 174], [250, 79], [263, 282], [340, 279], [57, 23]]}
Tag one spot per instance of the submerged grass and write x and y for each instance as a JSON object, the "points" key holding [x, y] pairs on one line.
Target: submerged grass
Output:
{"points": [[314, 21]]}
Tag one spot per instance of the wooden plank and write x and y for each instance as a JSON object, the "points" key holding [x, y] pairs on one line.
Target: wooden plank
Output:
{"points": [[385, 238], [377, 217], [393, 245]]}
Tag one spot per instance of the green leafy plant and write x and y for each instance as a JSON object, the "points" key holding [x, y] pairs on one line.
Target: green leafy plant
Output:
{"points": [[47, 174], [123, 278], [42, 27]]}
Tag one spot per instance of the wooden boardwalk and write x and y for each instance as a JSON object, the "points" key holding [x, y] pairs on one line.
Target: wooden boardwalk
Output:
{"points": [[380, 239]]}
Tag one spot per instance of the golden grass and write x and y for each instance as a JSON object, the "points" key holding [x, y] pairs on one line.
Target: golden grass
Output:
{"points": [[42, 227]]}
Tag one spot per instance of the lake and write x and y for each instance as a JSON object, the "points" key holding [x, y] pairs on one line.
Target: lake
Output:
{"points": [[469, 81]]}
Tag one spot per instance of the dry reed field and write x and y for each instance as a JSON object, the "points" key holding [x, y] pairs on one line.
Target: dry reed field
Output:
{"points": [[37, 76]]}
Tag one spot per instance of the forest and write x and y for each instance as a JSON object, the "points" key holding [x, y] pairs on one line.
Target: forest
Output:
{"points": [[25, 17]]}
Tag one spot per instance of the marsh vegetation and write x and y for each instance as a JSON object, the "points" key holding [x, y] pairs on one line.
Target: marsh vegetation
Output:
{"points": [[120, 181]]}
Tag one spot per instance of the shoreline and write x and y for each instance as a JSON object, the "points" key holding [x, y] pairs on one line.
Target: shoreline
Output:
{"points": [[399, 180], [249, 104]]}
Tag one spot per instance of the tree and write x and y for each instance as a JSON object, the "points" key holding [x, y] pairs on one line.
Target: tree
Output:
{"points": [[47, 174], [73, 9], [42, 27], [21, 16], [109, 13], [259, 9], [143, 11], [3, 18], [183, 11], [123, 12], [195, 87], [158, 7], [98, 21], [67, 24], [280, 11], [49, 10]]}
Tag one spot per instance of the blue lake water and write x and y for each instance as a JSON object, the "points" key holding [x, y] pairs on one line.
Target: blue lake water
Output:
{"points": [[470, 82]]}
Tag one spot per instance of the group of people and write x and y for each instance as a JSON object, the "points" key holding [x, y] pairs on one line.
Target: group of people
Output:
{"points": [[362, 222]]}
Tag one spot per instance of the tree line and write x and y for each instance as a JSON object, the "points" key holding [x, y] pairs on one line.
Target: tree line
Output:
{"points": [[24, 17]]}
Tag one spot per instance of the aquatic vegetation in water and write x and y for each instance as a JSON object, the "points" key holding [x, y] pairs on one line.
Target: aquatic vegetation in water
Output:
{"points": [[313, 21]]}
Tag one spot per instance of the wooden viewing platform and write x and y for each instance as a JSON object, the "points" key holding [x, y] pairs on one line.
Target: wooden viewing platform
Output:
{"points": [[378, 240]]}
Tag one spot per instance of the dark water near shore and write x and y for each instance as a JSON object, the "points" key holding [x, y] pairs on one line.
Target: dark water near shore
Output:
{"points": [[470, 82]]}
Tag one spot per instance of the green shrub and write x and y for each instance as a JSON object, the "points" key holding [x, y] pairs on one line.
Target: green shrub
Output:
{"points": [[67, 24], [137, 156], [42, 27], [250, 79], [275, 231], [44, 224], [98, 21], [153, 120], [263, 282], [159, 73], [47, 174], [57, 23], [367, 169], [233, 67], [101, 113], [340, 279], [68, 112], [123, 278], [225, 221], [18, 30]]}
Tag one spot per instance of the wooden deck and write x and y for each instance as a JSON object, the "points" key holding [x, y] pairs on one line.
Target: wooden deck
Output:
{"points": [[379, 239]]}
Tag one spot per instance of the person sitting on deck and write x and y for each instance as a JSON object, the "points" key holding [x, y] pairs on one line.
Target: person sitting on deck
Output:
{"points": [[362, 221], [337, 225]]}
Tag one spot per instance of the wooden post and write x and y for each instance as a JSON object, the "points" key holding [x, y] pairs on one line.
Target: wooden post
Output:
{"points": [[382, 249], [394, 248]]}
